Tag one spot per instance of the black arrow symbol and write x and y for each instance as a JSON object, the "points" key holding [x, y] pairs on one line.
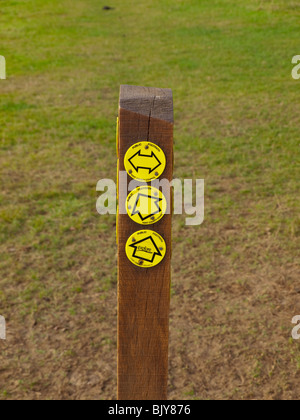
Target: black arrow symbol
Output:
{"points": [[150, 162], [137, 210], [137, 246]]}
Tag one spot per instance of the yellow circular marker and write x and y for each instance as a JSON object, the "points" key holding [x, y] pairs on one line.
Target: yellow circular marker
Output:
{"points": [[146, 205], [145, 161], [145, 248]]}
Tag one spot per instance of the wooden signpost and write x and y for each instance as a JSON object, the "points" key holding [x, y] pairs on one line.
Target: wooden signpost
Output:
{"points": [[145, 152]]}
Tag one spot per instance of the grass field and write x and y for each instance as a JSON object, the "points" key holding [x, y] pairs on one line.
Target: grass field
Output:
{"points": [[235, 285]]}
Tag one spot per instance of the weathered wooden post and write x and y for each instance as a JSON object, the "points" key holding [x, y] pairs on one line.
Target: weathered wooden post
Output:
{"points": [[145, 152]]}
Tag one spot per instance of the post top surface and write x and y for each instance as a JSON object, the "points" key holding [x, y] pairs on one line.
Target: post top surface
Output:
{"points": [[149, 101]]}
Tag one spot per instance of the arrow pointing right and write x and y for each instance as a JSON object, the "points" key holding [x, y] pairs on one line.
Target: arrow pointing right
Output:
{"points": [[140, 161]]}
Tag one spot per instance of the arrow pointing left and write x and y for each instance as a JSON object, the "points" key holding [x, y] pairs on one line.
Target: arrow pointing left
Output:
{"points": [[141, 161]]}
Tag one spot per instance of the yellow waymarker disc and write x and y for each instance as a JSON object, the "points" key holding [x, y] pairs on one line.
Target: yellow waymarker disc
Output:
{"points": [[145, 248], [145, 161], [146, 205]]}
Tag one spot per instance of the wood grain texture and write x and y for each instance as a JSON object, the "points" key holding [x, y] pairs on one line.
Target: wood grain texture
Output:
{"points": [[144, 293]]}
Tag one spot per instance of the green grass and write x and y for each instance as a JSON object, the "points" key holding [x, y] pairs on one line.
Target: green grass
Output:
{"points": [[237, 126]]}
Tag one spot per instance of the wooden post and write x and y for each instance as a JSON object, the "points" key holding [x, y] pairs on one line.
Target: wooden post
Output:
{"points": [[145, 115]]}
